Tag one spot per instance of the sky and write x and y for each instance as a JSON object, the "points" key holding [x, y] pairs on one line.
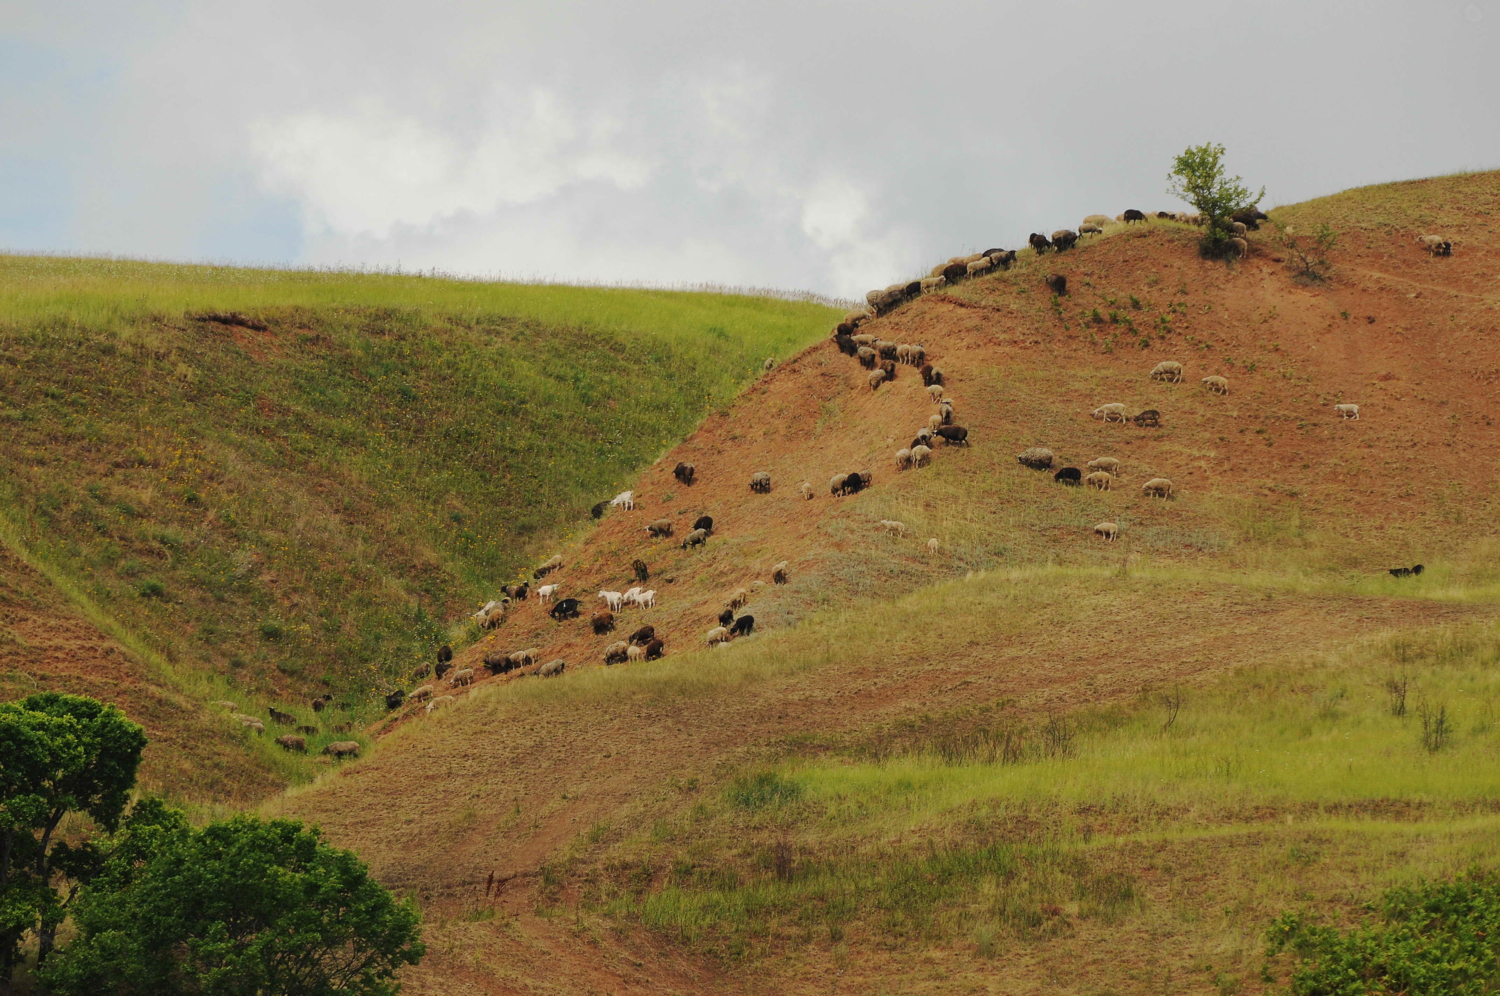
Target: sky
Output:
{"points": [[823, 146]]}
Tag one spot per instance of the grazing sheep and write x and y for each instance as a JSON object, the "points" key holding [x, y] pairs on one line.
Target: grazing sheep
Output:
{"points": [[1068, 475], [923, 437], [1132, 215], [1436, 244], [602, 622], [738, 599], [743, 626], [921, 456], [916, 355], [1058, 284], [903, 459], [443, 669], [643, 636], [524, 658], [979, 267], [1406, 572], [888, 367], [444, 654], [639, 567], [1114, 412], [876, 379], [1087, 229], [846, 345], [935, 392], [1107, 530], [1167, 370], [930, 376], [899, 528], [1238, 248], [697, 537], [954, 435], [945, 411], [867, 357], [545, 593], [865, 339], [418, 695], [625, 500], [932, 545], [955, 272], [1037, 458], [1216, 384], [778, 573], [856, 317], [565, 609], [934, 283], [497, 663], [886, 349], [934, 422], [1038, 242], [552, 669], [1097, 219], [705, 523], [297, 744], [394, 699], [717, 635], [617, 652], [684, 472], [283, 718], [1150, 417], [251, 723], [517, 591], [598, 510], [1348, 411], [726, 617], [903, 353], [836, 484], [1109, 464], [769, 364], [760, 482], [655, 649], [807, 490], [341, 749], [1157, 487], [659, 528], [1064, 239], [222, 704], [1238, 228], [462, 677], [612, 599], [635, 653], [554, 563], [1100, 480]]}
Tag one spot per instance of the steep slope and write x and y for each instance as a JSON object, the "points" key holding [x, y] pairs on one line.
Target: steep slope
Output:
{"points": [[746, 820]]}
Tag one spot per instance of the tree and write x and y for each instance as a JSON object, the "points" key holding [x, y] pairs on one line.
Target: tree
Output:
{"points": [[59, 754], [239, 908], [1198, 177]]}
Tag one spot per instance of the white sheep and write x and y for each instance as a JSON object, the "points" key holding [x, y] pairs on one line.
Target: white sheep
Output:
{"points": [[718, 635], [1108, 530], [1239, 247], [611, 600], [903, 459], [1087, 229], [552, 669], [1216, 384], [1107, 464], [807, 489], [1238, 228], [935, 392], [546, 592], [1096, 219], [935, 422], [634, 653], [625, 500], [1167, 370], [876, 378], [934, 283], [1348, 411], [1114, 412], [424, 692], [440, 701], [1158, 487], [899, 528], [1100, 480], [1436, 244], [778, 572], [921, 456], [932, 545], [462, 677]]}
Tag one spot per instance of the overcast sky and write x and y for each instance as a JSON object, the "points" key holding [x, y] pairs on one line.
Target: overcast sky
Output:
{"points": [[828, 146]]}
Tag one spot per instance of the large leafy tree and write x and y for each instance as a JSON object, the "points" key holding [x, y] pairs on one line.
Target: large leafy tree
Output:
{"points": [[239, 908], [1198, 177], [59, 754]]}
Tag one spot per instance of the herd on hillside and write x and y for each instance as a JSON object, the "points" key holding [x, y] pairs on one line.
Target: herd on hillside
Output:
{"points": [[882, 359]]}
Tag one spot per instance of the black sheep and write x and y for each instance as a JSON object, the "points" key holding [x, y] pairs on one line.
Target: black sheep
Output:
{"points": [[1134, 215], [846, 345], [853, 484], [705, 523], [565, 609], [956, 435], [1068, 475], [1406, 572], [742, 626], [726, 617], [1058, 284], [1150, 417], [930, 376], [954, 272], [639, 566], [443, 668], [445, 654], [394, 699], [598, 510], [1250, 217], [1039, 242], [643, 636]]}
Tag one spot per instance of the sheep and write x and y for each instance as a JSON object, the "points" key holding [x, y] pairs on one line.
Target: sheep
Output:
{"points": [[462, 677], [903, 353], [602, 622], [743, 626], [1087, 229], [934, 422], [625, 500], [554, 563], [222, 704], [340, 749], [1348, 411], [523, 658], [298, 744], [684, 472], [697, 537], [1238, 228], [726, 617], [738, 599], [565, 609], [545, 593], [876, 379], [517, 591], [394, 699], [1109, 464], [659, 528], [1250, 217], [1064, 239], [1057, 283], [886, 349], [717, 635], [1097, 219], [552, 669], [424, 692], [639, 568], [921, 456], [643, 636], [611, 599], [1038, 242], [846, 345], [923, 437], [1436, 244], [1114, 412], [856, 317], [916, 355], [1216, 384], [760, 482], [836, 484], [598, 510], [1002, 257], [444, 654], [899, 528], [1150, 417], [283, 718], [1100, 480], [867, 357], [932, 545], [308, 731], [979, 267], [955, 272], [251, 723], [935, 392], [1167, 370], [655, 649], [778, 573], [1107, 530], [443, 669], [807, 490], [1036, 458], [903, 459], [1239, 248], [865, 339], [888, 367], [705, 523], [954, 435], [934, 283], [931, 376], [1406, 572], [1157, 487], [1132, 215], [1068, 475], [769, 364], [646, 599], [945, 411], [635, 653], [617, 652]]}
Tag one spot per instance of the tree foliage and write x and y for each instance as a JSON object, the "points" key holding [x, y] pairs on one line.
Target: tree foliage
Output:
{"points": [[59, 754], [1198, 177], [239, 908]]}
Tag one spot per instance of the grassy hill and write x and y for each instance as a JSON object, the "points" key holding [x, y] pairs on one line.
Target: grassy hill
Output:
{"points": [[1031, 760], [260, 485]]}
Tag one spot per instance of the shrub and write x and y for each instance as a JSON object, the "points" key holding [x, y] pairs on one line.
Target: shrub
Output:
{"points": [[1198, 177]]}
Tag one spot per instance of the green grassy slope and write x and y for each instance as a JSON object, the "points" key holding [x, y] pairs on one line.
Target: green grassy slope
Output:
{"points": [[310, 497]]}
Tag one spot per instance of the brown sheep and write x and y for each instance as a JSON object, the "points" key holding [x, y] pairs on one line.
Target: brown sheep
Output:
{"points": [[341, 749], [602, 622], [297, 744]]}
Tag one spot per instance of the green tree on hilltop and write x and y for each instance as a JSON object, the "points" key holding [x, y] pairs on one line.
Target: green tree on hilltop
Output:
{"points": [[1198, 177]]}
